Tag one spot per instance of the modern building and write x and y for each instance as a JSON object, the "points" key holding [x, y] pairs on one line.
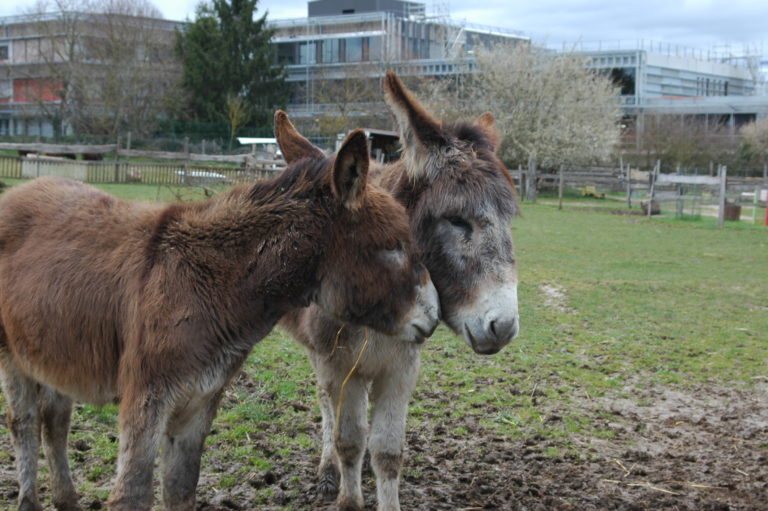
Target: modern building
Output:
{"points": [[663, 79], [344, 39], [49, 62]]}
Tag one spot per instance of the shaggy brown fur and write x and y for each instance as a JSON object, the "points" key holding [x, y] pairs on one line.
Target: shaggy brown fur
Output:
{"points": [[158, 306]]}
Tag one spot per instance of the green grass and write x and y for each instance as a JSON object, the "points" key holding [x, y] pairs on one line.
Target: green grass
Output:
{"points": [[670, 302], [143, 192], [673, 303]]}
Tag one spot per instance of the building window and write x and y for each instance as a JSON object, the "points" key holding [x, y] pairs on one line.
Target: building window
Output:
{"points": [[4, 52], [307, 53], [375, 49], [286, 53], [6, 91], [330, 51], [624, 78], [354, 51], [29, 90]]}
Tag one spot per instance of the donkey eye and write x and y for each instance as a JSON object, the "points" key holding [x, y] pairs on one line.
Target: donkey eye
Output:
{"points": [[394, 255], [460, 223]]}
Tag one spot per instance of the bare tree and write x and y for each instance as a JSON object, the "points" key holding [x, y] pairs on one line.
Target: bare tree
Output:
{"points": [[755, 139], [548, 106], [137, 66], [237, 114], [55, 76], [685, 142], [108, 65], [353, 93]]}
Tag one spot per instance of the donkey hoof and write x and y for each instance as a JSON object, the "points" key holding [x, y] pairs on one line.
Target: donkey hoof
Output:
{"points": [[328, 485], [68, 505], [28, 504], [350, 504]]}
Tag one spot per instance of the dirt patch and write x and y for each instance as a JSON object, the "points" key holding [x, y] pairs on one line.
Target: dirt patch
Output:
{"points": [[554, 297], [627, 212], [702, 449]]}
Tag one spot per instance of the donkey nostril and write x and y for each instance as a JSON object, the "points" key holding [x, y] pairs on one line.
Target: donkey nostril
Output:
{"points": [[503, 329]]}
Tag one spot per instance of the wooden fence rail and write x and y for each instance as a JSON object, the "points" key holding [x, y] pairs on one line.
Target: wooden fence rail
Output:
{"points": [[174, 174]]}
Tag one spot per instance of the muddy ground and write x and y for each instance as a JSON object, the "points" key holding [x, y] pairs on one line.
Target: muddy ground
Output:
{"points": [[705, 450], [700, 450]]}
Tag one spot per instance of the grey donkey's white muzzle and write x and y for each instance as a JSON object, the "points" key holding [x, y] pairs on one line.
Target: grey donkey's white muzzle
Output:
{"points": [[492, 321]]}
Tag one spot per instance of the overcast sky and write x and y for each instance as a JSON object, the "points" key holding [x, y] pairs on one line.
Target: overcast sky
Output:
{"points": [[704, 24]]}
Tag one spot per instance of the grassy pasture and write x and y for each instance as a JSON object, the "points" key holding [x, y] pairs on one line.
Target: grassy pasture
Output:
{"points": [[609, 304]]}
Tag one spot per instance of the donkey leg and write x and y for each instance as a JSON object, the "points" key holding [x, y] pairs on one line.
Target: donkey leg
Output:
{"points": [[181, 451], [328, 473], [56, 414], [349, 440], [22, 395], [390, 393], [142, 421]]}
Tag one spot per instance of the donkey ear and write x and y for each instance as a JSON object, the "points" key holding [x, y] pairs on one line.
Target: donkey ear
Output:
{"points": [[487, 123], [292, 144], [350, 170], [419, 131]]}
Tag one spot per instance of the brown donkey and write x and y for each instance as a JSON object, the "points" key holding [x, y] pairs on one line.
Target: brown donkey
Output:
{"points": [[460, 200], [158, 306]]}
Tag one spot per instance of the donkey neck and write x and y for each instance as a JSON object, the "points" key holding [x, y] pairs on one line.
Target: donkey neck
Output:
{"points": [[259, 252]]}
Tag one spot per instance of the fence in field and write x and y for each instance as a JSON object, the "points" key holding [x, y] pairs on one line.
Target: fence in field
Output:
{"points": [[714, 192], [692, 192], [179, 174], [177, 169]]}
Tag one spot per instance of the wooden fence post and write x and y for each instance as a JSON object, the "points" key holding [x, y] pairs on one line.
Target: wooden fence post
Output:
{"points": [[186, 160], [755, 203], [117, 161], [654, 175], [629, 187], [560, 190], [723, 172], [532, 179]]}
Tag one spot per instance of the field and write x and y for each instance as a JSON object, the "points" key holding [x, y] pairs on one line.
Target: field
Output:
{"points": [[639, 382]]}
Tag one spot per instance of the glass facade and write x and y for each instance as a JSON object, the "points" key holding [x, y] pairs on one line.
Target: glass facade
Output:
{"points": [[308, 53], [331, 51]]}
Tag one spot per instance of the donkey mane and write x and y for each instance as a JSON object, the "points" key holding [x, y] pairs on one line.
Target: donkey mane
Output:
{"points": [[479, 141], [305, 178], [474, 192], [469, 132], [276, 202]]}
